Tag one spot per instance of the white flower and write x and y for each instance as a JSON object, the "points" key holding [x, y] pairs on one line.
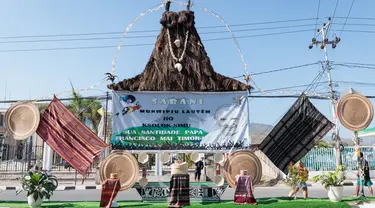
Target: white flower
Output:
{"points": [[27, 177]]}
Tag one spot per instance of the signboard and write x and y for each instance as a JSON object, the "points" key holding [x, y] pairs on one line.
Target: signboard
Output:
{"points": [[370, 132], [179, 120]]}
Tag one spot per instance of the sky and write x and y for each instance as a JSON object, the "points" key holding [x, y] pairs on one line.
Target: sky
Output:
{"points": [[27, 72]]}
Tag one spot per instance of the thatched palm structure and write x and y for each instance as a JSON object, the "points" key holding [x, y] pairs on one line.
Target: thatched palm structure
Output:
{"points": [[179, 61]]}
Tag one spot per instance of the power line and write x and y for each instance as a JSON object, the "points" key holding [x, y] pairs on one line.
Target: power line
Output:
{"points": [[351, 63], [284, 69], [155, 30], [346, 19], [297, 96], [356, 18], [61, 99], [145, 44], [317, 17], [154, 36], [334, 12], [290, 87], [148, 36]]}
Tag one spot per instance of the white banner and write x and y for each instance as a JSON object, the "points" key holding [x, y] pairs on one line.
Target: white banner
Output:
{"points": [[180, 120]]}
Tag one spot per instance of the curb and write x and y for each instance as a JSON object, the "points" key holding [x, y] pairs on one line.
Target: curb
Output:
{"points": [[99, 187], [59, 188]]}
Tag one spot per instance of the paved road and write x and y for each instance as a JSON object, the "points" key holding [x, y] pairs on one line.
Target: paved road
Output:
{"points": [[94, 195]]}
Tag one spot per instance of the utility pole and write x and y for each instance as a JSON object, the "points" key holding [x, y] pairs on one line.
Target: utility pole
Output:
{"points": [[323, 46]]}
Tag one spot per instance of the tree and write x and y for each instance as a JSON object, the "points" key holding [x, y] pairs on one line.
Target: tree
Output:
{"points": [[85, 110], [323, 144]]}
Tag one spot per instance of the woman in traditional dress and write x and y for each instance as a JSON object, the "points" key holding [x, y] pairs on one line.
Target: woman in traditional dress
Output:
{"points": [[179, 193], [303, 176], [244, 189]]}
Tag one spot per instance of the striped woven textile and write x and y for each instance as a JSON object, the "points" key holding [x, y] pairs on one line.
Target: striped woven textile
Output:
{"points": [[110, 188], [179, 190], [244, 190], [69, 137]]}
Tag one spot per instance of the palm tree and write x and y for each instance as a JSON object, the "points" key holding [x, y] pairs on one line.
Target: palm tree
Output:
{"points": [[86, 110]]}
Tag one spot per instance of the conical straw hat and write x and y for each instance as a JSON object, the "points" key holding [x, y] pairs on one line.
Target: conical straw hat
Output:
{"points": [[242, 160], [165, 157], [219, 158], [218, 180], [143, 182], [22, 120], [143, 157], [194, 156], [125, 165], [355, 111]]}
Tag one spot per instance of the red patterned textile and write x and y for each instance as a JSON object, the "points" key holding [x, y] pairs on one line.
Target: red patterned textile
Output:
{"points": [[110, 188], [69, 137], [244, 190]]}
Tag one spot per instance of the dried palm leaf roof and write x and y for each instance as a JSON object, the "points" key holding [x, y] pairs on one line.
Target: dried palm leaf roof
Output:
{"points": [[197, 74]]}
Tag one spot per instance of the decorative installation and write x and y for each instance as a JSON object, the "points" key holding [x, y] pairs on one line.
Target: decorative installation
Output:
{"points": [[160, 192], [295, 134], [355, 111], [242, 160], [122, 163], [22, 120]]}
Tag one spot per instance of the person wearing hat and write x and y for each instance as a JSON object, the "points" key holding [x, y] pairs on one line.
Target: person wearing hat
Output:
{"points": [[244, 189], [179, 190], [110, 188]]}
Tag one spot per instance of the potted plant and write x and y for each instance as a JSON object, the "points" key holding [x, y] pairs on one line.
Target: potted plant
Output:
{"points": [[38, 186], [333, 183]]}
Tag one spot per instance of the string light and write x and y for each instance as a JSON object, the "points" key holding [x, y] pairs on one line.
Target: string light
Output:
{"points": [[70, 91], [127, 29]]}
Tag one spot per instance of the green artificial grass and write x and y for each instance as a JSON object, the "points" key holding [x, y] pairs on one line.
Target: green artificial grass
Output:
{"points": [[262, 202]]}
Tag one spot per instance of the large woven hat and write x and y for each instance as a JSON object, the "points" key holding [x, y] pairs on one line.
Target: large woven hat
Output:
{"points": [[242, 160], [122, 163], [355, 111], [22, 120]]}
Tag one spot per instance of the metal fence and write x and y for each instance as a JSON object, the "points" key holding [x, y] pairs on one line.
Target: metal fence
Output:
{"points": [[16, 160], [324, 159]]}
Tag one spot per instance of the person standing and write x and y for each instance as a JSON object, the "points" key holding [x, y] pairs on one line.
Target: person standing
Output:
{"points": [[304, 176], [198, 170], [366, 180]]}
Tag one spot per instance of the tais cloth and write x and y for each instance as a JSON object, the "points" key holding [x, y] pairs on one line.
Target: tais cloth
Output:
{"points": [[244, 191], [179, 190], [69, 137], [110, 188]]}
